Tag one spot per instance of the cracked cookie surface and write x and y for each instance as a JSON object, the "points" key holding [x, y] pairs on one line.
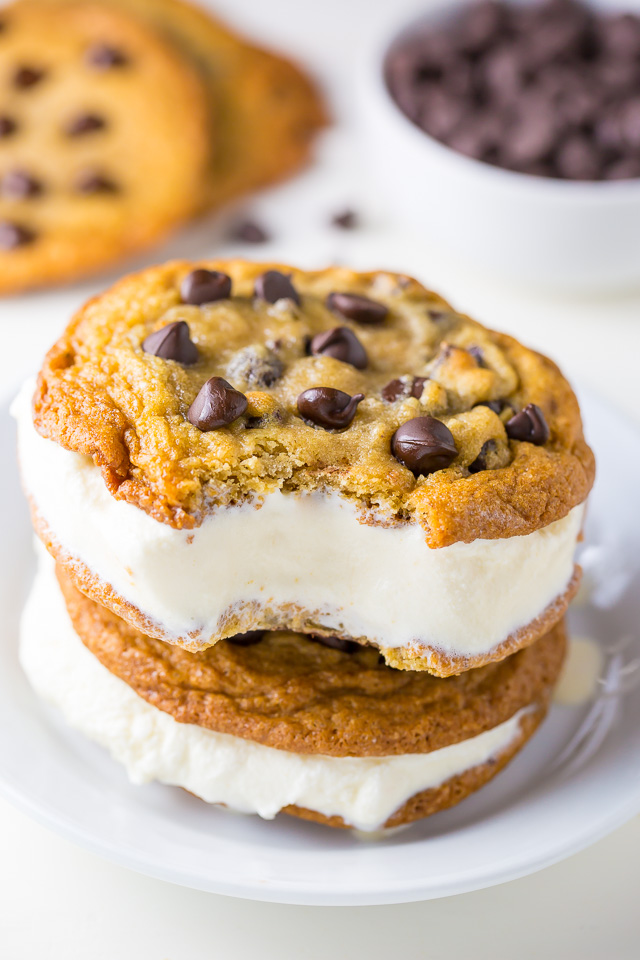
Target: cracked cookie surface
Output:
{"points": [[101, 394]]}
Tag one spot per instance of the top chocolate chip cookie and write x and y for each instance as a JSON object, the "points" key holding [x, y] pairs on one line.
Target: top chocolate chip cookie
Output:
{"points": [[198, 385]]}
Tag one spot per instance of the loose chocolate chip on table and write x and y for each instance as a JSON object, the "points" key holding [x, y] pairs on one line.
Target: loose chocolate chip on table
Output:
{"points": [[400, 388], [273, 286], [249, 232], [26, 77], [345, 220], [248, 639], [14, 235], [217, 405], [480, 463], [20, 185], [8, 126], [205, 286], [328, 408], [335, 643], [529, 425], [424, 445], [342, 344], [104, 57], [172, 342], [355, 307], [89, 182], [84, 124]]}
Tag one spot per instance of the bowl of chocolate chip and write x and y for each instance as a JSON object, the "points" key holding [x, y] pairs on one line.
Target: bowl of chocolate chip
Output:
{"points": [[508, 133]]}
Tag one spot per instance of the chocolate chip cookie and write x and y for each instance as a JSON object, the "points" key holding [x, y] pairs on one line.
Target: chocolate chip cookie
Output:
{"points": [[364, 384], [328, 699], [104, 136], [258, 447], [266, 110]]}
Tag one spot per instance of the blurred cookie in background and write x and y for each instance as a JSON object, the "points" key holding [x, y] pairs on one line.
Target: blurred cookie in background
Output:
{"points": [[121, 119], [267, 110], [104, 138]]}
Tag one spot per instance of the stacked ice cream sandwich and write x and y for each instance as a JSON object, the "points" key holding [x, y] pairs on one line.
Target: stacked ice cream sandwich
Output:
{"points": [[312, 538]]}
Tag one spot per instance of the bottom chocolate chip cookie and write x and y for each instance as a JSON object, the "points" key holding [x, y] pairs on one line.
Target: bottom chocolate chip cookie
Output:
{"points": [[281, 721]]}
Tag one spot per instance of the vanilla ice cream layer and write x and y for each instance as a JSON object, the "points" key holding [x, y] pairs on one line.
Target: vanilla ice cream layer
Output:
{"points": [[312, 550], [245, 776]]}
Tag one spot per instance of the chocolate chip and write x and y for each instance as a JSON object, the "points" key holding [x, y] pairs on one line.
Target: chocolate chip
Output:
{"points": [[328, 408], [20, 185], [335, 643], [626, 169], [248, 639], [104, 57], [8, 127], [536, 88], [216, 405], [172, 342], [26, 77], [345, 220], [342, 344], [529, 425], [354, 307], [257, 366], [477, 355], [249, 232], [205, 286], [89, 182], [480, 463], [13, 235], [496, 405], [403, 388], [578, 159], [273, 286], [84, 124], [424, 445]]}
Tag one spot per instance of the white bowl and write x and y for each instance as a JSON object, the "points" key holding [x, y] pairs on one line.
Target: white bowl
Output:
{"points": [[553, 233]]}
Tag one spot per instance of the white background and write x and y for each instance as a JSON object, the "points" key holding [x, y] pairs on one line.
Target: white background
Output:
{"points": [[61, 903]]}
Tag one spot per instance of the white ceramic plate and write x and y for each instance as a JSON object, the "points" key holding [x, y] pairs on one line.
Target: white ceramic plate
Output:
{"points": [[576, 781]]}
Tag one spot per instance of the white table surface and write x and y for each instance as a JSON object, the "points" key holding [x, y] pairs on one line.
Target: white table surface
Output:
{"points": [[62, 903]]}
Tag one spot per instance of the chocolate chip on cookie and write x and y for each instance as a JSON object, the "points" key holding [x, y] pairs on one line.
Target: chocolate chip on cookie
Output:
{"points": [[26, 77], [328, 408], [217, 405], [273, 286], [20, 185], [409, 387], [342, 344], [172, 342], [102, 56], [528, 425], [90, 182], [257, 366], [84, 124], [356, 307], [8, 126], [248, 639], [424, 445], [336, 643], [480, 463], [14, 235], [205, 286]]}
